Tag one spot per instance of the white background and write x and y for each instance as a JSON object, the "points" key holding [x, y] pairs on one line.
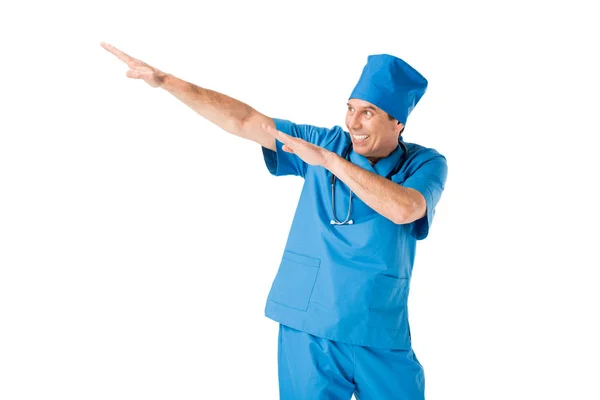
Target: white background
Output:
{"points": [[138, 242]]}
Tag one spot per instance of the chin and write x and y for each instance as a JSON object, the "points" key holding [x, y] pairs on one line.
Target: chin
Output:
{"points": [[363, 153]]}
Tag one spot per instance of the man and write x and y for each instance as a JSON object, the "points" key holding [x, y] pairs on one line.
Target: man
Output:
{"points": [[340, 294]]}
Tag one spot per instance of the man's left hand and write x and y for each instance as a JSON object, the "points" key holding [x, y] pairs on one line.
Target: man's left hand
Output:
{"points": [[308, 152]]}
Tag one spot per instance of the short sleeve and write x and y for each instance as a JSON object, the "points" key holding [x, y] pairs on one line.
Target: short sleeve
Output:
{"points": [[280, 162], [429, 179]]}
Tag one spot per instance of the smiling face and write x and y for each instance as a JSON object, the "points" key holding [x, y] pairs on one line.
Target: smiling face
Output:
{"points": [[374, 135]]}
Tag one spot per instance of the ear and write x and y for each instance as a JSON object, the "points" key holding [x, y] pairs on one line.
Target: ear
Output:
{"points": [[401, 126]]}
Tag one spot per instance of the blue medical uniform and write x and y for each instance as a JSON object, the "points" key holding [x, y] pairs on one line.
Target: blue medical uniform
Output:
{"points": [[348, 284]]}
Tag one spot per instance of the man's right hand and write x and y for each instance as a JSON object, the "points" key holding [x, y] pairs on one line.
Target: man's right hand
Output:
{"points": [[138, 69], [226, 112]]}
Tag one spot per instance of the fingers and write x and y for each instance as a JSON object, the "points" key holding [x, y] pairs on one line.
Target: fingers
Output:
{"points": [[120, 54], [147, 74], [139, 73], [277, 134]]}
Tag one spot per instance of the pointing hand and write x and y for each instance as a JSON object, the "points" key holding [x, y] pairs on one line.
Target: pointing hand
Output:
{"points": [[308, 152], [138, 69]]}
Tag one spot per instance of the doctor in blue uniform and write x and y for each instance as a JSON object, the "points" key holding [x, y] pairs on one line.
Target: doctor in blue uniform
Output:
{"points": [[340, 293]]}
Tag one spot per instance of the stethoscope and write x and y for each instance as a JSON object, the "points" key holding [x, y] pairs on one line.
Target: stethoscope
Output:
{"points": [[348, 221]]}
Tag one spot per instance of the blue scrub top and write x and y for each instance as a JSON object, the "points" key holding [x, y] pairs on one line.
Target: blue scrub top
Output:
{"points": [[349, 283]]}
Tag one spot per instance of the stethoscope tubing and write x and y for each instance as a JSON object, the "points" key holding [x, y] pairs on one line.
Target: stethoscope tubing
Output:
{"points": [[348, 221]]}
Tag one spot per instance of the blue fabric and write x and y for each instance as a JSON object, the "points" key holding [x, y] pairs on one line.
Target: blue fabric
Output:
{"points": [[310, 367], [349, 283], [391, 84]]}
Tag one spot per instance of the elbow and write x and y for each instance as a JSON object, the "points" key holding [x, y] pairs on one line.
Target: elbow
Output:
{"points": [[239, 130], [401, 217], [407, 213], [237, 125], [401, 214]]}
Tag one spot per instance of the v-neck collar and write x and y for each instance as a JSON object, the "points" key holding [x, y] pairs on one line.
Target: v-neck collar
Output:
{"points": [[382, 167]]}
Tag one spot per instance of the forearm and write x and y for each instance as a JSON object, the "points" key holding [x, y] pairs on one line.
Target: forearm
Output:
{"points": [[222, 110], [399, 204]]}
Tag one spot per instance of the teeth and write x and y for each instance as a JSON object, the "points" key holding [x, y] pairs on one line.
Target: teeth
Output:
{"points": [[360, 137]]}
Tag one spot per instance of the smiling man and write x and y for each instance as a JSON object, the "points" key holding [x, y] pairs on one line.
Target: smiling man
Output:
{"points": [[361, 125], [341, 290]]}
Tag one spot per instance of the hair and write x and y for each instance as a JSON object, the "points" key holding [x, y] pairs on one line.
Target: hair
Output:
{"points": [[392, 118]]}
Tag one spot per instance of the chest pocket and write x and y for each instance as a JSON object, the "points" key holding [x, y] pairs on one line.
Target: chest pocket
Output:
{"points": [[295, 281]]}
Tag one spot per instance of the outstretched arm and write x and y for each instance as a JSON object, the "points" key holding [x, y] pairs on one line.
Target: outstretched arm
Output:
{"points": [[226, 112]]}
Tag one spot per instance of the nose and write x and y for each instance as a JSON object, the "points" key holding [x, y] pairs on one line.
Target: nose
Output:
{"points": [[354, 122]]}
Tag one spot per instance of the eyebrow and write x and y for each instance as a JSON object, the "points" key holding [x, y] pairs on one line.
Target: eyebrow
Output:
{"points": [[369, 107]]}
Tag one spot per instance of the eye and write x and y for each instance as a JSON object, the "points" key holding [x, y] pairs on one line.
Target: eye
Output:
{"points": [[350, 109], [369, 113]]}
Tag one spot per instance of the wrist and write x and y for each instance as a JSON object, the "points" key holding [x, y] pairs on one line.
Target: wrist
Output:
{"points": [[330, 159], [161, 77], [170, 82]]}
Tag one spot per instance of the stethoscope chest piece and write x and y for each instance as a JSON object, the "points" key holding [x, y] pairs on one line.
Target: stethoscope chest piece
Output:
{"points": [[332, 222]]}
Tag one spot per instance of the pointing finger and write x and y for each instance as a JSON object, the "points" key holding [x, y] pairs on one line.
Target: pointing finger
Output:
{"points": [[126, 58]]}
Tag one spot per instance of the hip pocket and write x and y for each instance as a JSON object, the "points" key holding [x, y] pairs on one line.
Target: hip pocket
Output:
{"points": [[387, 308], [295, 281]]}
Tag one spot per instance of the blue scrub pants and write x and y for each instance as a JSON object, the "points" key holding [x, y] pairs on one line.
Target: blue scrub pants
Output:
{"points": [[313, 368]]}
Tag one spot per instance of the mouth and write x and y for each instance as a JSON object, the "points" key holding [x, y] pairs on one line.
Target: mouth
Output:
{"points": [[360, 138]]}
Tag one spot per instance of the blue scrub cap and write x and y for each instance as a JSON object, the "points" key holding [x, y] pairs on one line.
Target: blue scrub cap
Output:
{"points": [[390, 84]]}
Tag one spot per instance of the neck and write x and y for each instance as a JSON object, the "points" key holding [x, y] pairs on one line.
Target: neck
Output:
{"points": [[373, 160]]}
